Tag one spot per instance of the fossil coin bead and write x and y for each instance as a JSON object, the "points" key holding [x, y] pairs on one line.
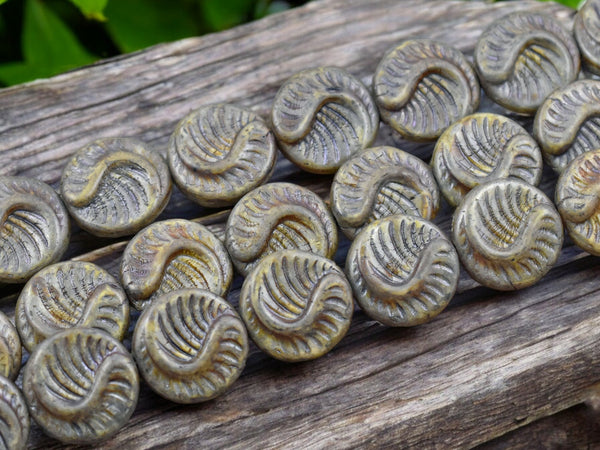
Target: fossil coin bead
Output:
{"points": [[10, 349], [522, 57], [403, 270], [14, 417], [422, 86], [71, 294], [321, 117], [190, 345], [220, 152], [279, 216], [297, 305], [577, 198], [174, 254], [380, 182], [115, 186], [587, 34], [508, 234], [568, 123], [34, 228], [81, 385], [480, 148]]}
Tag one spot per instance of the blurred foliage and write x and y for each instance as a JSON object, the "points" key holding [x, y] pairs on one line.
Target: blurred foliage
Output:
{"points": [[42, 38]]}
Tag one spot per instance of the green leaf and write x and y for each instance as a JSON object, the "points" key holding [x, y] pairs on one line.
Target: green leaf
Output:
{"points": [[223, 14], [2, 1], [92, 9], [136, 24]]}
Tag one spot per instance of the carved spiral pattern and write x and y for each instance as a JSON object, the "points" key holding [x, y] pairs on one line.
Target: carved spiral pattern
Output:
{"points": [[190, 345], [380, 182], [278, 216], [568, 123], [14, 417], [323, 116], [10, 349], [70, 294], [422, 86], [81, 385], [587, 34], [507, 233], [578, 200], [481, 148], [34, 228], [403, 270], [113, 187], [171, 255], [219, 153], [522, 57], [297, 305]]}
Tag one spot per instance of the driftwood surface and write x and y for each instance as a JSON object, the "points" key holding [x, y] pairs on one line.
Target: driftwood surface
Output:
{"points": [[507, 370]]}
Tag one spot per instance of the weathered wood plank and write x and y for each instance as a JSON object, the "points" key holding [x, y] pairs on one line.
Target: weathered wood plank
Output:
{"points": [[491, 363]]}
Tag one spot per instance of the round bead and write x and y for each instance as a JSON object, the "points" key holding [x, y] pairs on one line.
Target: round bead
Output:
{"points": [[321, 117], [508, 234], [279, 216], [380, 182], [587, 34], [522, 57], [297, 305], [81, 385], [219, 153], [577, 198], [10, 349], [14, 416], [70, 294], [568, 123], [113, 187], [174, 254], [480, 148], [34, 228], [403, 270], [422, 86], [190, 345]]}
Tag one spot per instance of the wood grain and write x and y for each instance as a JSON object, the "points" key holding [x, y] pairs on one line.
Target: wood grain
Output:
{"points": [[489, 365]]}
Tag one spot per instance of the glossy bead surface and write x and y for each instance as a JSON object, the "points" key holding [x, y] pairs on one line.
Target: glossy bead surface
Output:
{"points": [[422, 86], [279, 216], [34, 228], [70, 294], [321, 117], [380, 182], [522, 57], [403, 270], [14, 417], [190, 345], [297, 305], [587, 34], [81, 385], [174, 254], [219, 153], [10, 349], [508, 234], [480, 148], [115, 186]]}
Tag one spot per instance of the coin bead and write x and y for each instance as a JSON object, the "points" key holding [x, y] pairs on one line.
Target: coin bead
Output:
{"points": [[190, 345], [81, 385], [403, 270], [508, 234], [568, 123], [422, 86], [297, 305], [480, 148], [380, 182], [587, 34], [34, 228], [279, 216], [115, 186], [321, 117], [10, 349], [577, 198], [70, 294], [14, 417], [522, 57], [174, 254], [220, 152]]}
